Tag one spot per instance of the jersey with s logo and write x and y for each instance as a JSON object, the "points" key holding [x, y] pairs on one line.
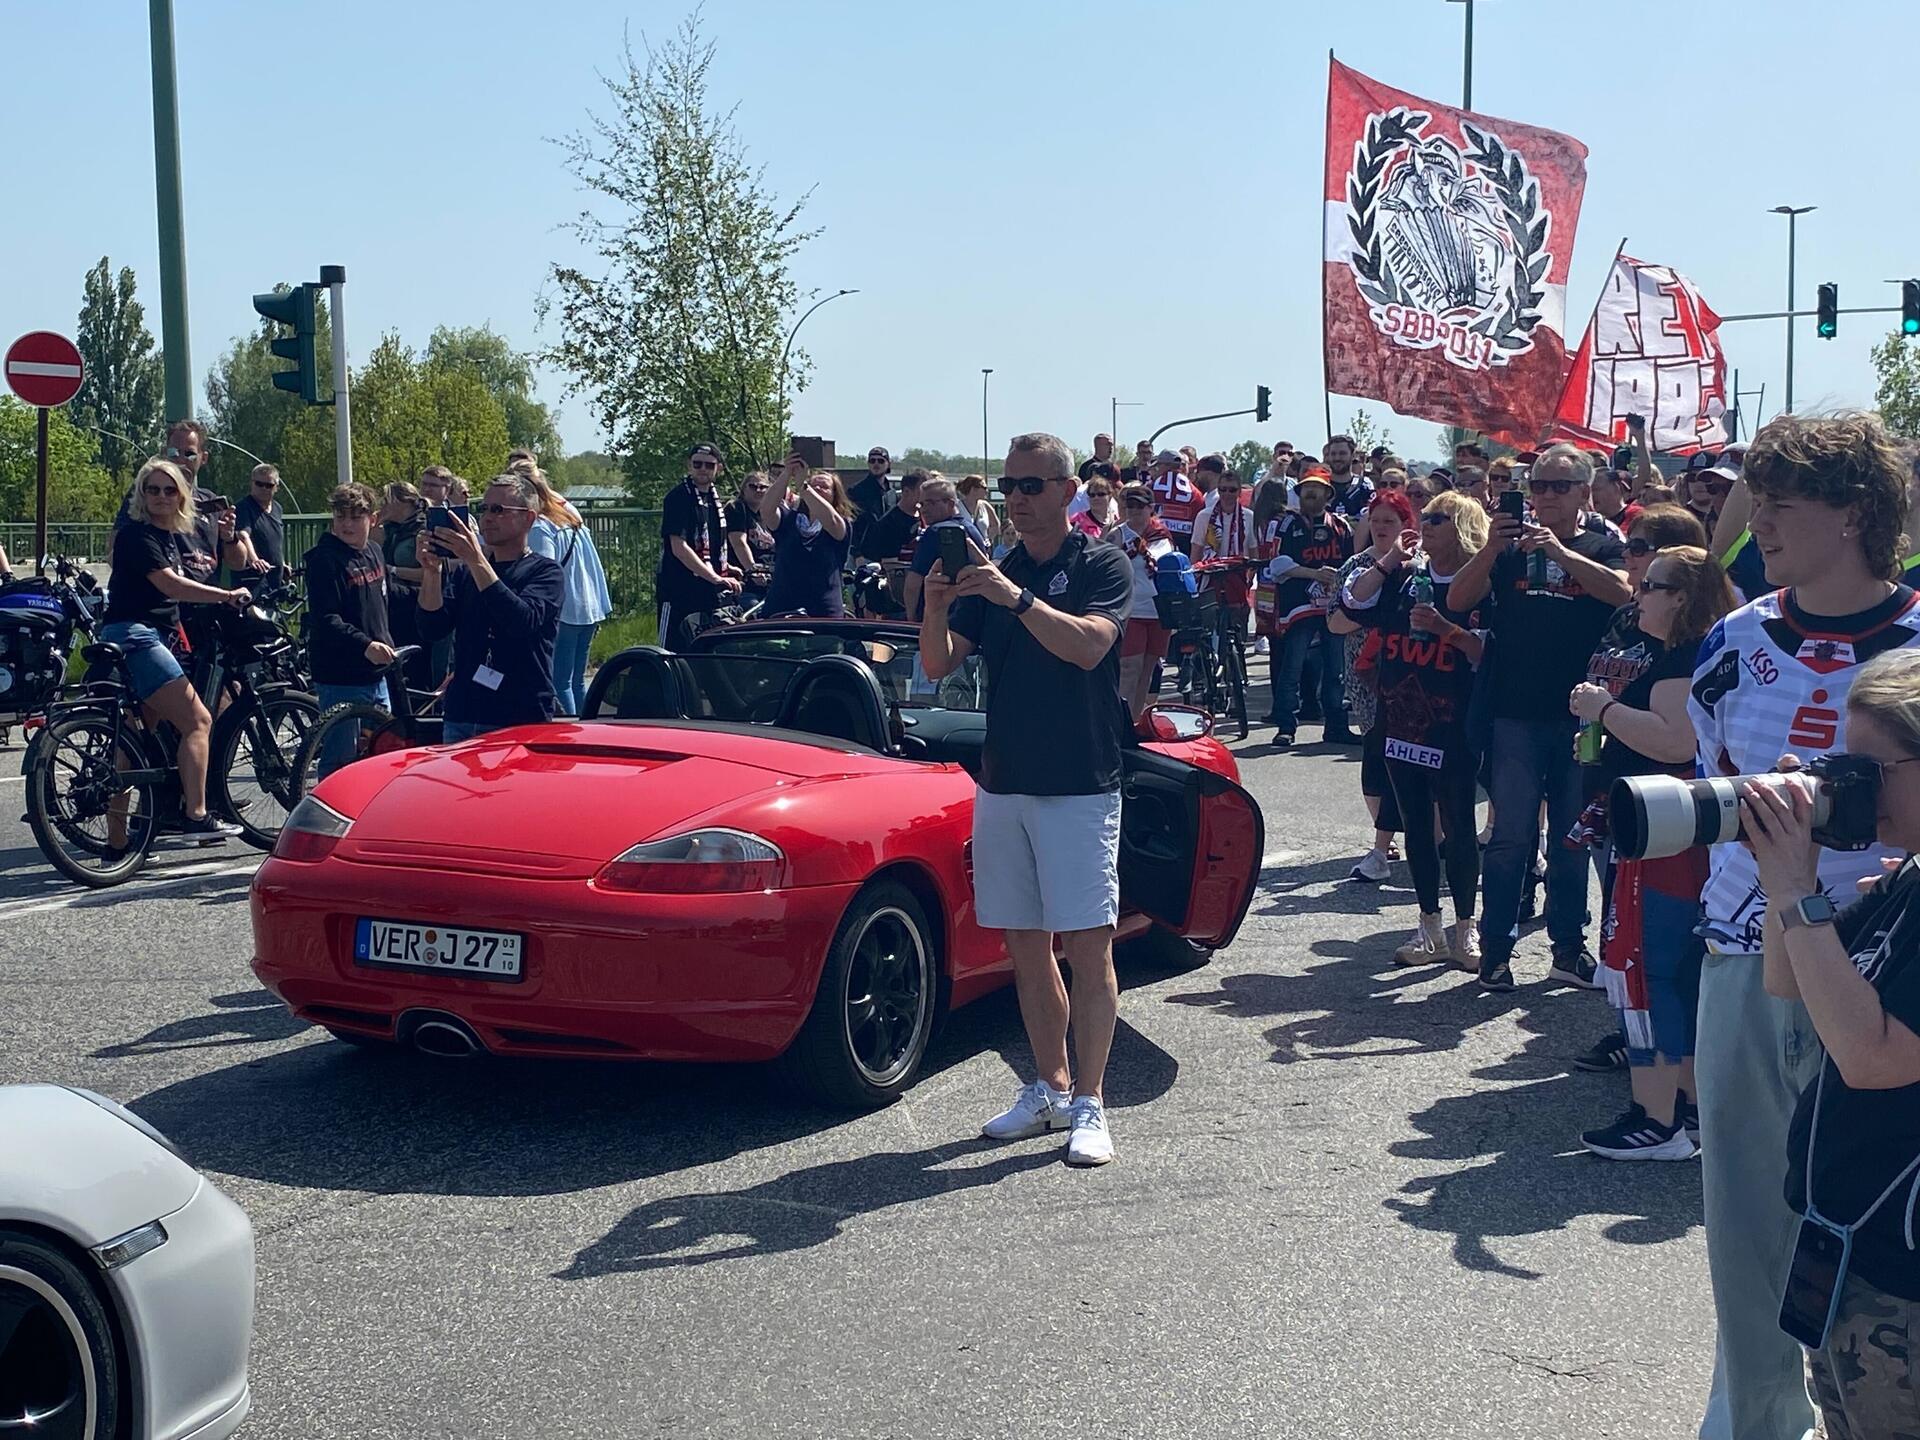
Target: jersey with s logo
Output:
{"points": [[1773, 680]]}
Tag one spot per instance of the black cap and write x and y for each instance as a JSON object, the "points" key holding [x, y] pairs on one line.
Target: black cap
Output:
{"points": [[703, 449]]}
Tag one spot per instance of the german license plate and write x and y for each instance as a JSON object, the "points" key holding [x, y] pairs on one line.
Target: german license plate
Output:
{"points": [[484, 954]]}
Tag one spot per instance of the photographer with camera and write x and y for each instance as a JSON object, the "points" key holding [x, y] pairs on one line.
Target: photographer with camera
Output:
{"points": [[502, 607], [1853, 1149], [1829, 506], [810, 518]]}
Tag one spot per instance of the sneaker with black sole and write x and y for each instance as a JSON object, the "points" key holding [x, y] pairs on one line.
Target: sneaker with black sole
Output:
{"points": [[1283, 740], [1575, 965], [1497, 977], [1636, 1135], [1607, 1055], [1341, 737], [1372, 869], [208, 829]]}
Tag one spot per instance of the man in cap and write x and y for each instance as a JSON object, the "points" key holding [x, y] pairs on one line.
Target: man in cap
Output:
{"points": [[1306, 548], [694, 578], [870, 495]]}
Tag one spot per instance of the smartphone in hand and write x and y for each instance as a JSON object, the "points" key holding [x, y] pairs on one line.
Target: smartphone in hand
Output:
{"points": [[1513, 503], [953, 549]]}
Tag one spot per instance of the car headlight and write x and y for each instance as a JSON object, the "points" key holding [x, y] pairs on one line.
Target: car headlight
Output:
{"points": [[310, 832], [711, 861], [119, 1111]]}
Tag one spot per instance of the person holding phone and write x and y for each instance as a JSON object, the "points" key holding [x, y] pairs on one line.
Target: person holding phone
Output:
{"points": [[1853, 1147], [811, 520], [940, 513], [502, 608]]}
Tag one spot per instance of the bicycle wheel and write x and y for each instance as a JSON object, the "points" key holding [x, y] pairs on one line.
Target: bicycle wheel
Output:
{"points": [[358, 719], [251, 769], [88, 820]]}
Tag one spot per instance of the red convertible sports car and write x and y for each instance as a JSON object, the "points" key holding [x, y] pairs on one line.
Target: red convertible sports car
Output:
{"points": [[757, 851]]}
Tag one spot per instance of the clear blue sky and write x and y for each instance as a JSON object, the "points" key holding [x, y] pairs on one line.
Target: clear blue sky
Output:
{"points": [[1092, 198]]}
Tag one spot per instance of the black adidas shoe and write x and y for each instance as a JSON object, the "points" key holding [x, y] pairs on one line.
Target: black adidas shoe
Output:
{"points": [[1607, 1055], [1638, 1136]]}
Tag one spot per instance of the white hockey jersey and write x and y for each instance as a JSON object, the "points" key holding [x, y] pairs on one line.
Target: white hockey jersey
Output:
{"points": [[1769, 682]]}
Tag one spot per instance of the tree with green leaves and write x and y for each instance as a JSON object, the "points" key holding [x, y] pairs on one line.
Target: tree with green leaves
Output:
{"points": [[1896, 361], [675, 332], [78, 487], [124, 390], [1366, 434], [508, 376], [586, 467], [1250, 459], [952, 465]]}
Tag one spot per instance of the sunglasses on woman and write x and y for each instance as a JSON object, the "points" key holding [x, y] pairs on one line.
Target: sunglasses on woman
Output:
{"points": [[1648, 585], [1639, 546], [161, 489], [1025, 484], [1438, 517], [1093, 494]]}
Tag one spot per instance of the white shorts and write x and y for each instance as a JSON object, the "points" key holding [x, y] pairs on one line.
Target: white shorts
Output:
{"points": [[1046, 862]]}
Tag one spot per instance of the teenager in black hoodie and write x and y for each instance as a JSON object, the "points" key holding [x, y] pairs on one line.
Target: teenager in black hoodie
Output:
{"points": [[350, 645]]}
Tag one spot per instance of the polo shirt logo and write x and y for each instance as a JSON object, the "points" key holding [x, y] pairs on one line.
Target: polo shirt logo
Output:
{"points": [[1057, 585]]}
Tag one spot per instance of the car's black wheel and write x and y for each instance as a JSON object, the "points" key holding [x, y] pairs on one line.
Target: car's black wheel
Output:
{"points": [[1159, 949], [873, 1011], [59, 1371]]}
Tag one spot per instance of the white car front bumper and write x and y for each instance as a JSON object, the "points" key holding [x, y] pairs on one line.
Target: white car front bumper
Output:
{"points": [[187, 1308]]}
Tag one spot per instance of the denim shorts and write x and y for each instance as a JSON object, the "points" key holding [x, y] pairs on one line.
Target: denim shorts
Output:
{"points": [[149, 662]]}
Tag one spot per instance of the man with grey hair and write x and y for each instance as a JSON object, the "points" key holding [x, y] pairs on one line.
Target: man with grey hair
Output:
{"points": [[502, 608], [1553, 585], [259, 519], [1046, 816]]}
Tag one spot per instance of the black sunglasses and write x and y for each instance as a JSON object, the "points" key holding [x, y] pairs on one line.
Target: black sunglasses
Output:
{"points": [[266, 484], [160, 489], [498, 509], [1134, 502], [1558, 487], [1027, 484], [702, 464], [1436, 517], [1639, 546], [1648, 586]]}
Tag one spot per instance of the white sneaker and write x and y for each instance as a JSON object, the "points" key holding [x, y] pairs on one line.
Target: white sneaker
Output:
{"points": [[1037, 1109], [1088, 1142], [1260, 646], [1466, 946], [1373, 867], [1427, 947]]}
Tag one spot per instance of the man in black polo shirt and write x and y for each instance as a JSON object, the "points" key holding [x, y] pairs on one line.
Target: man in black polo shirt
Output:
{"points": [[1046, 817], [694, 578]]}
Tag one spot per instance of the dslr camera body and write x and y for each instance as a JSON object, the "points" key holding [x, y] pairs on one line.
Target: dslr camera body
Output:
{"points": [[1657, 815]]}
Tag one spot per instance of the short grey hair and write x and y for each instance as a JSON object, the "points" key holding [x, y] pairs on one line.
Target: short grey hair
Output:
{"points": [[259, 470], [525, 488], [939, 488], [1056, 452], [1582, 460]]}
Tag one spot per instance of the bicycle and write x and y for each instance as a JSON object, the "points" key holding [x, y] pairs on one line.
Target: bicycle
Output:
{"points": [[374, 729], [102, 786], [1209, 637]]}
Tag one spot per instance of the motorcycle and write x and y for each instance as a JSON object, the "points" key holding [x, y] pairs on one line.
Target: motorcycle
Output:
{"points": [[41, 621]]}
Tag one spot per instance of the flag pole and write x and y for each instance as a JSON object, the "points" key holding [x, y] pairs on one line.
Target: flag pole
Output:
{"points": [[1593, 315], [1326, 394]]}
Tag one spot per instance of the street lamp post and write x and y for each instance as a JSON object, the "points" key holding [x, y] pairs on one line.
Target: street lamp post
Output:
{"points": [[170, 208], [1793, 214], [1466, 78], [985, 454], [788, 349], [1115, 421]]}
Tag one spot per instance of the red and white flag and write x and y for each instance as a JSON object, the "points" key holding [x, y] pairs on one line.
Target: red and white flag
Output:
{"points": [[1448, 238], [1652, 349]]}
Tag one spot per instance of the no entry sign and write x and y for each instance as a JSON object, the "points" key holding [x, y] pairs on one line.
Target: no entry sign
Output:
{"points": [[44, 369]]}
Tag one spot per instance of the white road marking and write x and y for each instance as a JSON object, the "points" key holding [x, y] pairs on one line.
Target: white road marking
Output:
{"points": [[139, 885], [12, 779]]}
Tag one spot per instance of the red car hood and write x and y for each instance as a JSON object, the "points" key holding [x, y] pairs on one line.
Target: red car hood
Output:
{"points": [[560, 800]]}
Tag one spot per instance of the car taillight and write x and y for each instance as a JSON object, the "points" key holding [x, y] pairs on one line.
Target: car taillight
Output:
{"points": [[311, 832], [697, 863]]}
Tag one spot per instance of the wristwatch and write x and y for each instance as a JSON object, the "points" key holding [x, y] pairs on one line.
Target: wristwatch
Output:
{"points": [[1024, 603], [1809, 911]]}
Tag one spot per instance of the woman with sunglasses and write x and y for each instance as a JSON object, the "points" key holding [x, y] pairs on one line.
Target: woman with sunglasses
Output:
{"points": [[810, 517], [1387, 518], [1636, 694], [1426, 670], [144, 596], [1101, 514], [1144, 539], [978, 508]]}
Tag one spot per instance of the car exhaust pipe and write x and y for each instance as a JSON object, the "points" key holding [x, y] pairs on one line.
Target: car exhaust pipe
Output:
{"points": [[445, 1037]]}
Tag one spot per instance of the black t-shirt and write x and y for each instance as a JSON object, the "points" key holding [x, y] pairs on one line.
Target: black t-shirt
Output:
{"points": [[1351, 500], [1544, 627], [741, 519], [1867, 1137], [892, 536], [1630, 662], [509, 627], [694, 516], [265, 527], [871, 495], [1425, 685], [1052, 728], [807, 565], [139, 550], [1325, 543]]}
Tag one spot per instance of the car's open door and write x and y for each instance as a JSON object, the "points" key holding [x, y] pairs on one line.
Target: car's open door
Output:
{"points": [[1190, 847]]}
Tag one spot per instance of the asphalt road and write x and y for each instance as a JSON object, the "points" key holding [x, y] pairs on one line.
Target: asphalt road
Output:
{"points": [[1348, 1200]]}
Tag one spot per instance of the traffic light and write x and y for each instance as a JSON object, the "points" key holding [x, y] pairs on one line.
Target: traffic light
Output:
{"points": [[1263, 398], [1910, 307], [294, 309], [1828, 323]]}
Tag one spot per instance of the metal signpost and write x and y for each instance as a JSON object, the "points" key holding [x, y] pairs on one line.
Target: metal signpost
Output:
{"points": [[45, 370]]}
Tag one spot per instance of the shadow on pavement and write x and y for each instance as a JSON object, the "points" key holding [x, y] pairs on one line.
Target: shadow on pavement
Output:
{"points": [[1282, 892], [246, 1017], [333, 1116]]}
